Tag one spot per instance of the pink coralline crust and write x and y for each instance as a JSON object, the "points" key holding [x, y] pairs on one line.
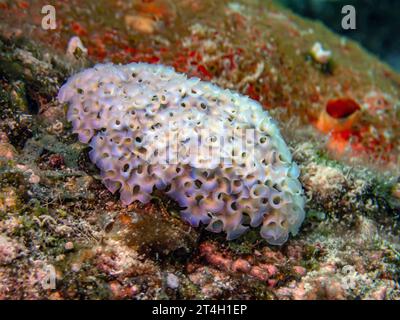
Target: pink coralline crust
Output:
{"points": [[261, 271], [301, 271], [241, 265]]}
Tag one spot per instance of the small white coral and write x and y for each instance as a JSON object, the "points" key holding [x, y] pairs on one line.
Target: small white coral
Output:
{"points": [[215, 152], [319, 54], [75, 44]]}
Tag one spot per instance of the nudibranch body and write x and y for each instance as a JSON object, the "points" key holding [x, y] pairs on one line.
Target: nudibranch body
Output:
{"points": [[214, 151]]}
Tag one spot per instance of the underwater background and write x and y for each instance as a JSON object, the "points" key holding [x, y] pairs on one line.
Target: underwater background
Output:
{"points": [[335, 101], [377, 23]]}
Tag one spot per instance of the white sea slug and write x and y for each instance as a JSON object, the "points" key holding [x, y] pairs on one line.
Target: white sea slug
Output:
{"points": [[143, 122]]}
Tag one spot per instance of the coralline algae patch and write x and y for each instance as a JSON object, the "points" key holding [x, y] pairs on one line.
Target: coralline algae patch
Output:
{"points": [[144, 123]]}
